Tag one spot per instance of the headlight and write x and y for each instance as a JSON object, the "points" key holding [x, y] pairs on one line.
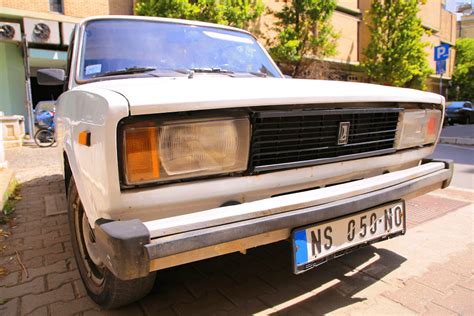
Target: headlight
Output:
{"points": [[418, 127], [162, 151]]}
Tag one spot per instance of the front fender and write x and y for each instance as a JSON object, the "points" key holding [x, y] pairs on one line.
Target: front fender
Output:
{"points": [[94, 167]]}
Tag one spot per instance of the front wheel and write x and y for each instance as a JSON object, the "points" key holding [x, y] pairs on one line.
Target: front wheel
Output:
{"points": [[102, 286], [44, 137]]}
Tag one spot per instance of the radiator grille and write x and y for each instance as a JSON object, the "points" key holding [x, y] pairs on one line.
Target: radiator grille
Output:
{"points": [[284, 139]]}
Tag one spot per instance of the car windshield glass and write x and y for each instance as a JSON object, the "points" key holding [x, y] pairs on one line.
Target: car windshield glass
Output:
{"points": [[455, 104], [117, 45]]}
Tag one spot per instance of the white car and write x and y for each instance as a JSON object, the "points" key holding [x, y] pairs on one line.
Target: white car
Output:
{"points": [[183, 141]]}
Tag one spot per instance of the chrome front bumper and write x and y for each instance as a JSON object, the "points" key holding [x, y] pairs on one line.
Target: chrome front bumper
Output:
{"points": [[132, 248]]}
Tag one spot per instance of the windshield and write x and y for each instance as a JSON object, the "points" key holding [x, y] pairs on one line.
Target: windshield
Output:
{"points": [[455, 104], [121, 45]]}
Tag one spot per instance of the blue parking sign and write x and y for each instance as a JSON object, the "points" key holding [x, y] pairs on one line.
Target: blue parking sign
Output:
{"points": [[441, 52]]}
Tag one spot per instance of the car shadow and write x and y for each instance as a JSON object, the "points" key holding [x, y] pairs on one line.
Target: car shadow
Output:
{"points": [[262, 282]]}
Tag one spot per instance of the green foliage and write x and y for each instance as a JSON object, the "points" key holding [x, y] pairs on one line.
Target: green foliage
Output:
{"points": [[237, 13], [304, 30], [463, 76], [395, 54]]}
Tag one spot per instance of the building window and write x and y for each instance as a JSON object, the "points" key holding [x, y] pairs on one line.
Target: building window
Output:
{"points": [[56, 6]]}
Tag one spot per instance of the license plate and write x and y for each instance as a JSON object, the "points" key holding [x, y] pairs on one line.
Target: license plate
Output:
{"points": [[315, 244]]}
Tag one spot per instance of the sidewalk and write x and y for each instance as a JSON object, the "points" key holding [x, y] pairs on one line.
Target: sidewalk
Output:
{"points": [[427, 271], [458, 135]]}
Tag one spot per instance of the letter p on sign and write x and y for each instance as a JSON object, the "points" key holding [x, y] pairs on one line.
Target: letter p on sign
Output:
{"points": [[441, 52]]}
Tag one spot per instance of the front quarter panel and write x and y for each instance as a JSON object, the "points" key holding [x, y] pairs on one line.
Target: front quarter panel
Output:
{"points": [[94, 167]]}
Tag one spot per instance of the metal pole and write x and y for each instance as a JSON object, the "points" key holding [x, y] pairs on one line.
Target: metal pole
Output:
{"points": [[28, 97], [441, 83]]}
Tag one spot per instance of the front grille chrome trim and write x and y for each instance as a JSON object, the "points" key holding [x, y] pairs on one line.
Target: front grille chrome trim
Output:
{"points": [[314, 162]]}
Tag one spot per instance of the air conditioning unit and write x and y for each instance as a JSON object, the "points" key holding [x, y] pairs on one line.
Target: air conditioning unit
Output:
{"points": [[10, 32], [41, 31], [66, 31]]}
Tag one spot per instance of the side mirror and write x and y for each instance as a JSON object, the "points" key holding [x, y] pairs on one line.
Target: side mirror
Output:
{"points": [[51, 77]]}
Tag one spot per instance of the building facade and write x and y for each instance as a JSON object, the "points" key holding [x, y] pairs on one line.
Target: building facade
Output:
{"points": [[466, 26]]}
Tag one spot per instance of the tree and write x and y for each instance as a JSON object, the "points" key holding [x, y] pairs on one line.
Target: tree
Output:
{"points": [[463, 76], [304, 30], [238, 13], [395, 54]]}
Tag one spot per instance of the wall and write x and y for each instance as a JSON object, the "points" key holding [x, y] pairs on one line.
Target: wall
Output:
{"points": [[31, 5], [347, 44], [430, 14], [467, 26], [12, 85], [77, 8]]}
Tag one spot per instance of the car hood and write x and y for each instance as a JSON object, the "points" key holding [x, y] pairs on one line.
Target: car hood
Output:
{"points": [[163, 95]]}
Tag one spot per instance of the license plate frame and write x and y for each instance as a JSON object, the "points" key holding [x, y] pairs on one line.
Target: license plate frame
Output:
{"points": [[299, 242]]}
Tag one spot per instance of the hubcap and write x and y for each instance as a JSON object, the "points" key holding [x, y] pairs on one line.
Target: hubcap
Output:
{"points": [[85, 241]]}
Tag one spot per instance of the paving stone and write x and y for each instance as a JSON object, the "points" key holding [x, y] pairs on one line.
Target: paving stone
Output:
{"points": [[59, 266], [60, 239], [55, 257], [241, 294], [414, 295], [249, 306], [10, 308], [436, 310], [132, 309], [28, 254], [56, 279], [31, 302], [44, 237], [27, 233], [467, 284], [165, 295], [79, 288], [283, 294], [10, 279], [55, 203], [320, 303], [210, 303], [58, 228], [35, 286], [379, 306], [42, 311], [72, 307], [35, 262], [439, 279], [461, 301]]}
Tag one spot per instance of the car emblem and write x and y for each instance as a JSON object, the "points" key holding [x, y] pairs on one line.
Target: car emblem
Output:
{"points": [[343, 136]]}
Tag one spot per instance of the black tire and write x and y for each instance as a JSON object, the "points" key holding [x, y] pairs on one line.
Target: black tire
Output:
{"points": [[468, 120], [44, 137], [103, 287]]}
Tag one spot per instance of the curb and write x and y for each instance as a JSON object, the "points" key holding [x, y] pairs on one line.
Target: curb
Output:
{"points": [[457, 141], [7, 185]]}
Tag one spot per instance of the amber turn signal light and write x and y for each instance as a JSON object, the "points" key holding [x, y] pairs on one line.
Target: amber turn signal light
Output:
{"points": [[141, 154]]}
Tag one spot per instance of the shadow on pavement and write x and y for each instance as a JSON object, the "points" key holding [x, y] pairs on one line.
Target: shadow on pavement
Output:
{"points": [[262, 282]]}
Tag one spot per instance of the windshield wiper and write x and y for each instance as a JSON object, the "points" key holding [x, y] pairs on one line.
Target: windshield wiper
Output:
{"points": [[126, 71], [211, 70]]}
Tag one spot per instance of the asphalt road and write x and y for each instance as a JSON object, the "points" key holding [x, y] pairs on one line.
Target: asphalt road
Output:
{"points": [[463, 157]]}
